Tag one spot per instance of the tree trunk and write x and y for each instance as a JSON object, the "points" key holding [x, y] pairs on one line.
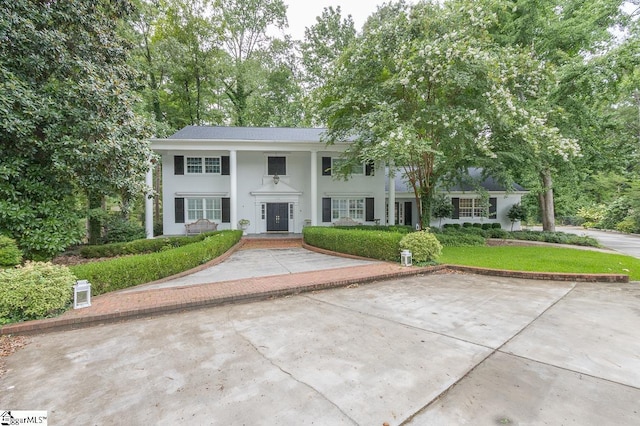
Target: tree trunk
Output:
{"points": [[546, 202], [94, 226]]}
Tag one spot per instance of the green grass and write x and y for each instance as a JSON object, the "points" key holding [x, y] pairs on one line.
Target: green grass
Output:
{"points": [[543, 259]]}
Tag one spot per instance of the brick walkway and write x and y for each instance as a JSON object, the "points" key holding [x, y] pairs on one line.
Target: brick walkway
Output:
{"points": [[119, 306]]}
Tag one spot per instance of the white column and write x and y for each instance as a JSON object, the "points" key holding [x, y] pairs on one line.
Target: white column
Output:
{"points": [[314, 188], [148, 203], [392, 195], [233, 191]]}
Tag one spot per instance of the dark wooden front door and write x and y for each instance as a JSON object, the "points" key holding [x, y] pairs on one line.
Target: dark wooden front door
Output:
{"points": [[278, 217]]}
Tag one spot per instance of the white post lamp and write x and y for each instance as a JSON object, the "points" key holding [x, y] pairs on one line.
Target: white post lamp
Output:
{"points": [[406, 258], [81, 294]]}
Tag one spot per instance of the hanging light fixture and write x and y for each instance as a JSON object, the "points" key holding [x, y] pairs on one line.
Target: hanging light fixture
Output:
{"points": [[276, 178]]}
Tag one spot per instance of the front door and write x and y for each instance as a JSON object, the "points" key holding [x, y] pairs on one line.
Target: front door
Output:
{"points": [[277, 217]]}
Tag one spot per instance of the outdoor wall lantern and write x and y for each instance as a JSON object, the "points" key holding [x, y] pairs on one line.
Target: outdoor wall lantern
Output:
{"points": [[276, 179], [81, 294], [406, 258]]}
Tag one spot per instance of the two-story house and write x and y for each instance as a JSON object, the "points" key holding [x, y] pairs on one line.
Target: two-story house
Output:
{"points": [[280, 180]]}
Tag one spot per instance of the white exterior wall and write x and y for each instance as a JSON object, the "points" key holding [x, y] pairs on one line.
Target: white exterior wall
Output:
{"points": [[256, 188], [504, 203]]}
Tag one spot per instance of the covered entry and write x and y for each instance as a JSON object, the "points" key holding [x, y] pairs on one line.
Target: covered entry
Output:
{"points": [[277, 217]]}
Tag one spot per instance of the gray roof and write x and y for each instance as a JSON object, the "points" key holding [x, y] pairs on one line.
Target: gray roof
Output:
{"points": [[280, 134], [470, 184]]}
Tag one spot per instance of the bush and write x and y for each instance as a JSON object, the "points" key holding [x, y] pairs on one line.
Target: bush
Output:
{"points": [[10, 254], [124, 272], [424, 246], [460, 239], [629, 225], [140, 246], [467, 225], [118, 230], [35, 290], [452, 226], [497, 233], [615, 213], [374, 244]]}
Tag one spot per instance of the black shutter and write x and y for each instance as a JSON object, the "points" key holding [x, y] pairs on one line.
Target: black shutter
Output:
{"points": [[326, 209], [226, 210], [369, 209], [224, 165], [178, 165], [370, 169], [179, 210], [456, 208], [493, 207], [408, 213], [326, 166]]}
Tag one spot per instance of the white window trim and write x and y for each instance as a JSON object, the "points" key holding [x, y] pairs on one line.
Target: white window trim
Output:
{"points": [[339, 212], [476, 208], [203, 165], [217, 210]]}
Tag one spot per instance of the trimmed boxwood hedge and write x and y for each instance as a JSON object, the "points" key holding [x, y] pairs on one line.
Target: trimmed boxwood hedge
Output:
{"points": [[140, 246], [124, 272], [371, 243]]}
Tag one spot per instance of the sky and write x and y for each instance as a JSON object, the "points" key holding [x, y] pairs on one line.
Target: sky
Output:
{"points": [[302, 13]]}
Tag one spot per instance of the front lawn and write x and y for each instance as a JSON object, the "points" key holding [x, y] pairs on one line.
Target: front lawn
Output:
{"points": [[543, 259]]}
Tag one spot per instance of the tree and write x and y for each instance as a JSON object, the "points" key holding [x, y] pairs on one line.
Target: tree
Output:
{"points": [[428, 88], [442, 208], [68, 126], [245, 33]]}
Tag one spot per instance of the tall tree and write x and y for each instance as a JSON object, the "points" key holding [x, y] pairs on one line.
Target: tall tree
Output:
{"points": [[427, 88], [245, 33], [67, 120]]}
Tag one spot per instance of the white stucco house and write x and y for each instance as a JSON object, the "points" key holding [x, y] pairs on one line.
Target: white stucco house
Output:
{"points": [[279, 179]]}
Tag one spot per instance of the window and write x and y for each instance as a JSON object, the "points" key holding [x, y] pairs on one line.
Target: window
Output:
{"points": [[473, 207], [194, 165], [212, 165], [352, 208], [277, 165], [204, 208], [356, 169]]}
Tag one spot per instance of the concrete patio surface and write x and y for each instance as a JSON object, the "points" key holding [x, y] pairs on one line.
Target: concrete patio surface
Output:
{"points": [[423, 350]]}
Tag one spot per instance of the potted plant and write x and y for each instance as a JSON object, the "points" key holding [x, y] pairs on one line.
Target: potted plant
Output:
{"points": [[244, 224]]}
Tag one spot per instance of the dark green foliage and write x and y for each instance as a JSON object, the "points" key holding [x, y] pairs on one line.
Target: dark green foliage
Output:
{"points": [[517, 212], [553, 237], [140, 246], [374, 244], [10, 254], [496, 233], [467, 225], [403, 229], [120, 230], [460, 239], [615, 213], [33, 291], [124, 272], [452, 226], [424, 246], [67, 121]]}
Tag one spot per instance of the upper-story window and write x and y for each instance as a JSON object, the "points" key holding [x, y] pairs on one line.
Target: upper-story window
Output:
{"points": [[277, 165], [198, 165]]}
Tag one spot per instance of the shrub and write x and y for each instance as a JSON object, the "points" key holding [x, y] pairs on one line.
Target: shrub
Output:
{"points": [[616, 212], [487, 226], [424, 246], [373, 244], [497, 233], [10, 254], [452, 226], [118, 230], [496, 226], [460, 239], [629, 225], [467, 225], [124, 272], [35, 290], [140, 246]]}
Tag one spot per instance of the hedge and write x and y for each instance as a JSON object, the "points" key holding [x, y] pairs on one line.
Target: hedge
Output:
{"points": [[140, 246], [374, 244], [124, 272], [10, 254]]}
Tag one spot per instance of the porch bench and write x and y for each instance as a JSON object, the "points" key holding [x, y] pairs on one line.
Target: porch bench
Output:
{"points": [[200, 226], [346, 221]]}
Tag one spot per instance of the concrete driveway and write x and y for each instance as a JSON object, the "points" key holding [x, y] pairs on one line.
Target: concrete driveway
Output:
{"points": [[431, 350]]}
